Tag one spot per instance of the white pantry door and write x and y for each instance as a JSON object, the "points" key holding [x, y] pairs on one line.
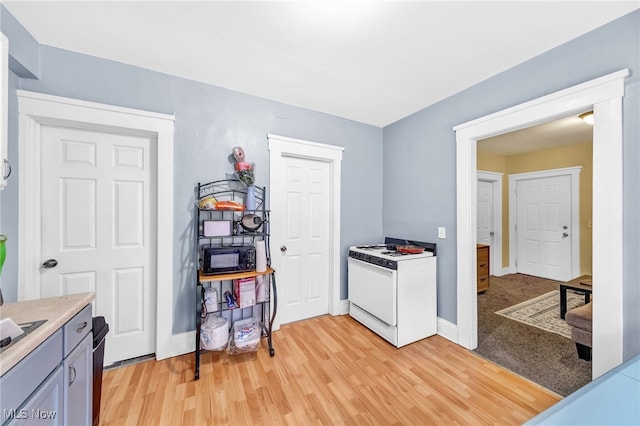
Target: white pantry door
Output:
{"points": [[96, 223], [544, 227], [304, 275], [485, 212]]}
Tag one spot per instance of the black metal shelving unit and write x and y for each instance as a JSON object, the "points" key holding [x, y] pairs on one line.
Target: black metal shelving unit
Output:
{"points": [[234, 191]]}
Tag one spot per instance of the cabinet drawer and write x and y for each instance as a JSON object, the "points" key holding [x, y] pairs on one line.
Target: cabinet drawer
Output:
{"points": [[483, 254], [483, 283], [75, 330], [483, 268]]}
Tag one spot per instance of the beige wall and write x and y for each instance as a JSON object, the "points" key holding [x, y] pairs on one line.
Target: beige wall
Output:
{"points": [[551, 158]]}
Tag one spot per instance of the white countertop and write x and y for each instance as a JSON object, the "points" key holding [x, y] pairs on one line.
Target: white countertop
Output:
{"points": [[56, 310], [611, 399]]}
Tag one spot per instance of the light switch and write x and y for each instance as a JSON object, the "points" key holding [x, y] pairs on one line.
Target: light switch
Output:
{"points": [[441, 232]]}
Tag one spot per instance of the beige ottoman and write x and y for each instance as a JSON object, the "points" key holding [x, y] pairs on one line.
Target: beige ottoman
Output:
{"points": [[580, 321]]}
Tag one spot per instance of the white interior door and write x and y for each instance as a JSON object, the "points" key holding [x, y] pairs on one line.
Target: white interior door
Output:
{"points": [[96, 224], [544, 227], [485, 212], [304, 274]]}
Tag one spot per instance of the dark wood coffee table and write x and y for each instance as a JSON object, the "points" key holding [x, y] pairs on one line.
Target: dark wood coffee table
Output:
{"points": [[577, 286]]}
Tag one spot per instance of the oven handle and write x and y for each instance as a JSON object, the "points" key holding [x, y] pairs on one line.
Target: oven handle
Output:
{"points": [[362, 262]]}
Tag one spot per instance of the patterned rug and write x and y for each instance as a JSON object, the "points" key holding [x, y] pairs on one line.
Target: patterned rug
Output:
{"points": [[544, 312]]}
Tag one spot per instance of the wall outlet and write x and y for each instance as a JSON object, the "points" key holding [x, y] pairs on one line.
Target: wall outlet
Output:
{"points": [[441, 232]]}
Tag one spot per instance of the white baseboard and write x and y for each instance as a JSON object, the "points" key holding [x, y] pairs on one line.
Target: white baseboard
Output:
{"points": [[184, 343], [343, 307], [448, 330], [503, 271]]}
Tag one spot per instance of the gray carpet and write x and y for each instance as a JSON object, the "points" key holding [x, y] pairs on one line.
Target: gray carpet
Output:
{"points": [[545, 358]]}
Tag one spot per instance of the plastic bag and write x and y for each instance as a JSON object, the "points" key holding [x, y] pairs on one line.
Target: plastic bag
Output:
{"points": [[214, 333], [245, 337]]}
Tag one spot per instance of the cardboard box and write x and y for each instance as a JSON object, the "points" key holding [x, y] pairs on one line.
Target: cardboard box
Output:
{"points": [[245, 290]]}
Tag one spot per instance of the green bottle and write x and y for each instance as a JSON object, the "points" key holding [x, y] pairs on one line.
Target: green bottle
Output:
{"points": [[3, 255], [3, 251]]}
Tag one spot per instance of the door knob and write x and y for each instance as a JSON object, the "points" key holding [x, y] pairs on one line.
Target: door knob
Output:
{"points": [[565, 227], [565, 235], [51, 263], [283, 249], [492, 233]]}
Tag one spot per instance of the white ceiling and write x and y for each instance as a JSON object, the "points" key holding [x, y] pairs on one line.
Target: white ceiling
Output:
{"points": [[374, 62], [564, 131]]}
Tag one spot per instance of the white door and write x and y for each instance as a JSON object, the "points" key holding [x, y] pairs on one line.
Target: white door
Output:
{"points": [[485, 212], [96, 223], [544, 227], [304, 275]]}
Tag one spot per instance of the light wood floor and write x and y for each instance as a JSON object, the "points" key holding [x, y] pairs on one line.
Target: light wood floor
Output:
{"points": [[326, 371]]}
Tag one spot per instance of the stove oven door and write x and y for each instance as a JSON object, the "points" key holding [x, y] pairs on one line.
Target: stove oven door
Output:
{"points": [[373, 289]]}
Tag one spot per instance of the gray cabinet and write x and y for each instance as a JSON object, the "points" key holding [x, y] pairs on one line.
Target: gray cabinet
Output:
{"points": [[78, 385], [45, 406], [53, 385]]}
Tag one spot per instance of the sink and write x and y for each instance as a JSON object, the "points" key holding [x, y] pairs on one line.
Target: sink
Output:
{"points": [[27, 327]]}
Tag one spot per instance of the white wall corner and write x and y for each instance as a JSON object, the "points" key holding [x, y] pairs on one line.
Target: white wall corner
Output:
{"points": [[342, 308], [448, 330]]}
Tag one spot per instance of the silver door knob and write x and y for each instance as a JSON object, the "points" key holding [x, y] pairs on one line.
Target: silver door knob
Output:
{"points": [[565, 235], [51, 263], [283, 249], [492, 233]]}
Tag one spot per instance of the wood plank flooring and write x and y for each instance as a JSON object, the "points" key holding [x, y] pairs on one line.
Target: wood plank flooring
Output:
{"points": [[326, 371]]}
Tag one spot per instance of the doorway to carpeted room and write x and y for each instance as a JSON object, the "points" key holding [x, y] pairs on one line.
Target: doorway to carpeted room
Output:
{"points": [[544, 357]]}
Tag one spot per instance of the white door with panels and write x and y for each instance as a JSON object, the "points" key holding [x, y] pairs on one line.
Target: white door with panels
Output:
{"points": [[304, 274], [485, 223], [97, 219], [544, 227]]}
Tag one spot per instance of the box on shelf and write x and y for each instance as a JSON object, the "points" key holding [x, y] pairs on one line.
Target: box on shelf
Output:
{"points": [[245, 291]]}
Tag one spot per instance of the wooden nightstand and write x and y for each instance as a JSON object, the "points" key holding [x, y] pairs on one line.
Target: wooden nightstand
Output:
{"points": [[483, 267]]}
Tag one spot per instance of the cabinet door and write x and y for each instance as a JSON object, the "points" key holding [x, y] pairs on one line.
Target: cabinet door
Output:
{"points": [[78, 384], [45, 406]]}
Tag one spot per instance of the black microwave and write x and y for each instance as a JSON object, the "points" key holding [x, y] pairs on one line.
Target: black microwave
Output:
{"points": [[222, 260]]}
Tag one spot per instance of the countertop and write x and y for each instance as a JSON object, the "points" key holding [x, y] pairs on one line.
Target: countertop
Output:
{"points": [[56, 310], [611, 399]]}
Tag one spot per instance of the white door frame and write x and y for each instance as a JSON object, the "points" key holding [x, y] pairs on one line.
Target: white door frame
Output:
{"points": [[574, 174], [279, 147], [604, 96], [36, 110], [496, 243]]}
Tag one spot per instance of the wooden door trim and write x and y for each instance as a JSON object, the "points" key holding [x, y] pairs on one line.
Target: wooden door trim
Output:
{"points": [[279, 147], [574, 174], [37, 110]]}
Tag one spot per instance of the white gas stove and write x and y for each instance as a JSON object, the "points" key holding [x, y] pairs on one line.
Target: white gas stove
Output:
{"points": [[394, 293]]}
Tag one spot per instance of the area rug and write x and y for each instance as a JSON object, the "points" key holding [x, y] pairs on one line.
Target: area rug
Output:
{"points": [[544, 312]]}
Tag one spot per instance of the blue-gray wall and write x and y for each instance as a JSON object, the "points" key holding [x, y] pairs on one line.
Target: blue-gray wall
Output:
{"points": [[420, 153], [417, 157], [209, 121]]}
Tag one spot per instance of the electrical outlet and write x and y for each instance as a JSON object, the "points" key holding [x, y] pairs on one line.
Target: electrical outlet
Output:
{"points": [[441, 232]]}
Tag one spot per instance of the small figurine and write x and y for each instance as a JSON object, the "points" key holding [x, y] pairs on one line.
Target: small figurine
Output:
{"points": [[244, 170], [245, 174], [238, 154]]}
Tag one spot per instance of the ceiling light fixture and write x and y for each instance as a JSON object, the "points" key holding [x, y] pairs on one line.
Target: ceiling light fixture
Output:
{"points": [[587, 117]]}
